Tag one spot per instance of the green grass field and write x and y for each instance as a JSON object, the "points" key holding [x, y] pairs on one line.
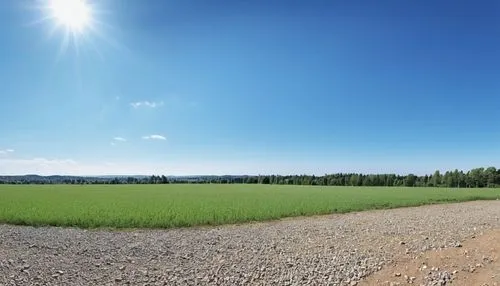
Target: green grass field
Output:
{"points": [[166, 206]]}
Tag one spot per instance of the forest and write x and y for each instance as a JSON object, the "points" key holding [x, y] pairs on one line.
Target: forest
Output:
{"points": [[475, 178]]}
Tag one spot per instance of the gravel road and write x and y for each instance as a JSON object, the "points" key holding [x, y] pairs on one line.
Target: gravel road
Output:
{"points": [[324, 250]]}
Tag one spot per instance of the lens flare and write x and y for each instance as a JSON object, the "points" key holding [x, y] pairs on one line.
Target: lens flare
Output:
{"points": [[80, 24], [75, 15]]}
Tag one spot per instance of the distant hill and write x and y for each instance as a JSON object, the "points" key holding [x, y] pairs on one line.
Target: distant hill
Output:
{"points": [[117, 179]]}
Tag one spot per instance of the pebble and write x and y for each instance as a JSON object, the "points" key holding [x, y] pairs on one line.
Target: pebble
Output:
{"points": [[325, 250]]}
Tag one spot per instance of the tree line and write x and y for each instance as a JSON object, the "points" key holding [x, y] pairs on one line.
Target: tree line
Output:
{"points": [[475, 178]]}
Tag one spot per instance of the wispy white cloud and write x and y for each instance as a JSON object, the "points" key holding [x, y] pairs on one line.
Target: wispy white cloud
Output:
{"points": [[117, 140], [237, 166], [41, 166], [44, 166], [150, 104], [6, 151], [154, 137], [47, 166]]}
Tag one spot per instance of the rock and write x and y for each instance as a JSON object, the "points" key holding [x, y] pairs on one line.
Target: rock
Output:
{"points": [[322, 250]]}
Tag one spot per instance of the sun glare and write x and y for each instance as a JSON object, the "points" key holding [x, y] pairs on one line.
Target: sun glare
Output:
{"points": [[79, 23], [74, 14]]}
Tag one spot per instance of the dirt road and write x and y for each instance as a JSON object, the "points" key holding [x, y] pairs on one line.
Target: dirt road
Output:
{"points": [[456, 242]]}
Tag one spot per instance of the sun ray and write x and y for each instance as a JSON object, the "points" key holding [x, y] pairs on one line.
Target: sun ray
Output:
{"points": [[92, 44], [108, 40], [39, 21], [63, 46], [80, 25], [75, 44], [73, 14]]}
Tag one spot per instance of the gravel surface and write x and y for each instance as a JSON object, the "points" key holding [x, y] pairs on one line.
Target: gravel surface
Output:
{"points": [[324, 250]]}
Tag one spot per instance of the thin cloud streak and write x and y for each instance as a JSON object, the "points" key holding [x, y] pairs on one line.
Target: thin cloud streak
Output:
{"points": [[147, 104], [154, 137]]}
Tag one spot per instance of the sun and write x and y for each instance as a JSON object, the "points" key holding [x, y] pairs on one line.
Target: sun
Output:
{"points": [[78, 23], [75, 15]]}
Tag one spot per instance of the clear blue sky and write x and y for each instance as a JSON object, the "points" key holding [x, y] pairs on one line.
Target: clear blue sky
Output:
{"points": [[251, 87]]}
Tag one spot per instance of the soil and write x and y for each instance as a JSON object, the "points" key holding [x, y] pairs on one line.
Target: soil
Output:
{"points": [[473, 262]]}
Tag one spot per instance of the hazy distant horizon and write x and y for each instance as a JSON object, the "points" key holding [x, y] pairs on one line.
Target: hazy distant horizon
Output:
{"points": [[57, 168]]}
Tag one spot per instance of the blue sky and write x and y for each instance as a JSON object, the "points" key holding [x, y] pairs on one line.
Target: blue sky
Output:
{"points": [[255, 87]]}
